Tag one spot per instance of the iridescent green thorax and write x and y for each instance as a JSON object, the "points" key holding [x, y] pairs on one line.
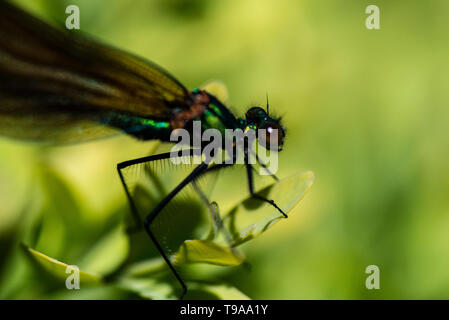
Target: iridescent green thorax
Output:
{"points": [[205, 108], [217, 116]]}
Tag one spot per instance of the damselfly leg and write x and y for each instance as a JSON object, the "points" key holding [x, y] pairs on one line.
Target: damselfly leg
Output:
{"points": [[147, 222]]}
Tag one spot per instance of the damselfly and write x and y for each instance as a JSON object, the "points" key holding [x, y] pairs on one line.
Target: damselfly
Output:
{"points": [[63, 88]]}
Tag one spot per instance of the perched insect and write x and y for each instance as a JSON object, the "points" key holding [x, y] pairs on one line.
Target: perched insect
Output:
{"points": [[62, 88]]}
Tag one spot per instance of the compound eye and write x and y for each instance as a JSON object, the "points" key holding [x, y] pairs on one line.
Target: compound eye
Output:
{"points": [[255, 114], [271, 128]]}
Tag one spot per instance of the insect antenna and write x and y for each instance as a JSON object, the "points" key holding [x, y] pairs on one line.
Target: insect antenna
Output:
{"points": [[268, 106]]}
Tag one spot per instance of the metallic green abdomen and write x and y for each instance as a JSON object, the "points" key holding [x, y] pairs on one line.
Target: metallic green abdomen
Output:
{"points": [[141, 128]]}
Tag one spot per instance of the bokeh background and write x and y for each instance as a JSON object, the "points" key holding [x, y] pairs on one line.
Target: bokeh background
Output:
{"points": [[366, 110]]}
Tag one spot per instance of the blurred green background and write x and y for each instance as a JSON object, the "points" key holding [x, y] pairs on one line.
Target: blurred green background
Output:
{"points": [[366, 110]]}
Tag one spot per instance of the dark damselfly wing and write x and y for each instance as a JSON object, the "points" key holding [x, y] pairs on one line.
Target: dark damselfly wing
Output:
{"points": [[56, 86]]}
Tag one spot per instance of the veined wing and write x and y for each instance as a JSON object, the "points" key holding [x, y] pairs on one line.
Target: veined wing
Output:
{"points": [[59, 87]]}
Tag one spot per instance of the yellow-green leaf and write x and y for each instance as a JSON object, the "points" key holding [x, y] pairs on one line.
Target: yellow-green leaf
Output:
{"points": [[221, 291], [59, 269], [251, 217], [202, 251], [148, 288], [218, 89]]}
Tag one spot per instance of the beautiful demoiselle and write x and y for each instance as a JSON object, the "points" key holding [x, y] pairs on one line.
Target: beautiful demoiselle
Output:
{"points": [[60, 87]]}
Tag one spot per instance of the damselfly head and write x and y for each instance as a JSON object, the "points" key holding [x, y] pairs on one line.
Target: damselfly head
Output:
{"points": [[258, 118]]}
